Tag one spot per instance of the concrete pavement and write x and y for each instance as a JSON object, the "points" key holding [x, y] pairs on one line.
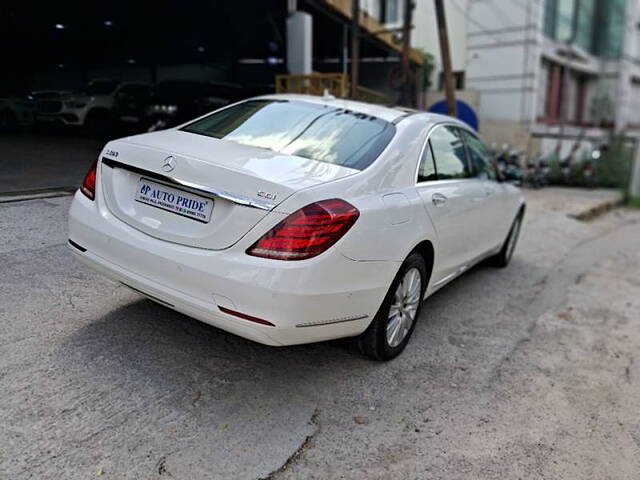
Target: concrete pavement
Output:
{"points": [[580, 203], [37, 161], [527, 372]]}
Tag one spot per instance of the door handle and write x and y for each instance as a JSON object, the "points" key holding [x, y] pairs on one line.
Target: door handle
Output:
{"points": [[438, 199]]}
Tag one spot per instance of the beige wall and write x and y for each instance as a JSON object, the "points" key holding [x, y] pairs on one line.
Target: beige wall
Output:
{"points": [[511, 133]]}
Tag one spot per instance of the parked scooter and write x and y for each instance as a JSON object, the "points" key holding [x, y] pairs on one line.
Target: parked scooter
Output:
{"points": [[508, 163], [513, 171], [538, 173], [589, 167]]}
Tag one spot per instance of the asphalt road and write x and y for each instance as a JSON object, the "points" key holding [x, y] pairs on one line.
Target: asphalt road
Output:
{"points": [[528, 372], [37, 161]]}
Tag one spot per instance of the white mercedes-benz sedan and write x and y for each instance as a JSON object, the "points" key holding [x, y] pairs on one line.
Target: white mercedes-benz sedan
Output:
{"points": [[289, 219]]}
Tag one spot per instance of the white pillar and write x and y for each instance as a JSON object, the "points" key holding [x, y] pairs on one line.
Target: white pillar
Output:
{"points": [[299, 43]]}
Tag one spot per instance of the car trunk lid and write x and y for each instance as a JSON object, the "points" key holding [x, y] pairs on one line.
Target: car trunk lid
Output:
{"points": [[242, 182]]}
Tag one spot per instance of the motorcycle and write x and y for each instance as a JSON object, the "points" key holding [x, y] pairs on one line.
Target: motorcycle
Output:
{"points": [[538, 173]]}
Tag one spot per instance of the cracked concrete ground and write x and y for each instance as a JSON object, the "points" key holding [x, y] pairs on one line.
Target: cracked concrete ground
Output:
{"points": [[528, 372]]}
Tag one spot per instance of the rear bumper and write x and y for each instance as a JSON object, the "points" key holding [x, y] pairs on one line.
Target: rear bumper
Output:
{"points": [[329, 296]]}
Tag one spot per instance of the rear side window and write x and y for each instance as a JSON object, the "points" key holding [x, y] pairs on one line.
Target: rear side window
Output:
{"points": [[427, 170], [479, 156], [319, 132], [449, 153]]}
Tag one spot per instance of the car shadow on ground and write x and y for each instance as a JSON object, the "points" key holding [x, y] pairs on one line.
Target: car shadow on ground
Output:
{"points": [[146, 342], [167, 351]]}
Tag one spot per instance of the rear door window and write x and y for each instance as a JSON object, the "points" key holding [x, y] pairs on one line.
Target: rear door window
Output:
{"points": [[479, 157], [449, 153], [427, 169]]}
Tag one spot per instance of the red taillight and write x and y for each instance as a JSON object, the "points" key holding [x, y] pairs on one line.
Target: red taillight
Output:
{"points": [[89, 183], [307, 232]]}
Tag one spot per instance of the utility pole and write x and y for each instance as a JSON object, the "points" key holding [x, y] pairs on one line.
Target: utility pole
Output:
{"points": [[407, 92], [355, 46], [446, 58]]}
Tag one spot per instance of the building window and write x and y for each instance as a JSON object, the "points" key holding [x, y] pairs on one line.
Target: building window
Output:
{"points": [[387, 12], [392, 12], [610, 28], [585, 31], [550, 8], [564, 19], [561, 93], [553, 92], [599, 24], [373, 8]]}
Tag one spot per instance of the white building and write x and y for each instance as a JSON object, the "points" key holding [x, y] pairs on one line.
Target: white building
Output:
{"points": [[509, 59], [518, 53]]}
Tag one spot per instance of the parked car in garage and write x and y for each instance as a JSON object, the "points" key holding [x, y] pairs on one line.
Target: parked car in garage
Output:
{"points": [[290, 219], [39, 95], [17, 110], [130, 106], [177, 101], [91, 107]]}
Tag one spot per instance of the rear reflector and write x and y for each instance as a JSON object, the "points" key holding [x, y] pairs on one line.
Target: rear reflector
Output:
{"points": [[245, 316], [89, 183], [307, 232]]}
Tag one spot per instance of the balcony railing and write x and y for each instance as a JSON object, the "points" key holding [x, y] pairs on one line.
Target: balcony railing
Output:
{"points": [[313, 84], [365, 94], [336, 84]]}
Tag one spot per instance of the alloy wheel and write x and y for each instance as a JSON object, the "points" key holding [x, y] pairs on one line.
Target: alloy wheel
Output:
{"points": [[404, 307]]}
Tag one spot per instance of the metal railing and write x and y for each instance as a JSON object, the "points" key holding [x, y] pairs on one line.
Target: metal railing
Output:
{"points": [[365, 94], [336, 84], [314, 84]]}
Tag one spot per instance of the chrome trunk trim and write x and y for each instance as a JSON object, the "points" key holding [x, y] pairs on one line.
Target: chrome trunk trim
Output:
{"points": [[232, 197]]}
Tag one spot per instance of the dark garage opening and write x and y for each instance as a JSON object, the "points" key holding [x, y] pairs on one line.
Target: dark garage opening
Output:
{"points": [[76, 74]]}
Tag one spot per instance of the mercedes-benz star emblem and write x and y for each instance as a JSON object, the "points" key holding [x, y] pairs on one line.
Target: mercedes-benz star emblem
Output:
{"points": [[169, 164]]}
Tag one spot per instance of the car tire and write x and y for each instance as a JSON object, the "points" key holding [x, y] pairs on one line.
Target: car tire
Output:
{"points": [[378, 341], [502, 258]]}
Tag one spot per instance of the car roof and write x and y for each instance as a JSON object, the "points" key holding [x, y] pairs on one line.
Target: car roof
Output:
{"points": [[385, 113], [389, 113]]}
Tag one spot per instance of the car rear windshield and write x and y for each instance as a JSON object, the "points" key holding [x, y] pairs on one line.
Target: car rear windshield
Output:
{"points": [[319, 132]]}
